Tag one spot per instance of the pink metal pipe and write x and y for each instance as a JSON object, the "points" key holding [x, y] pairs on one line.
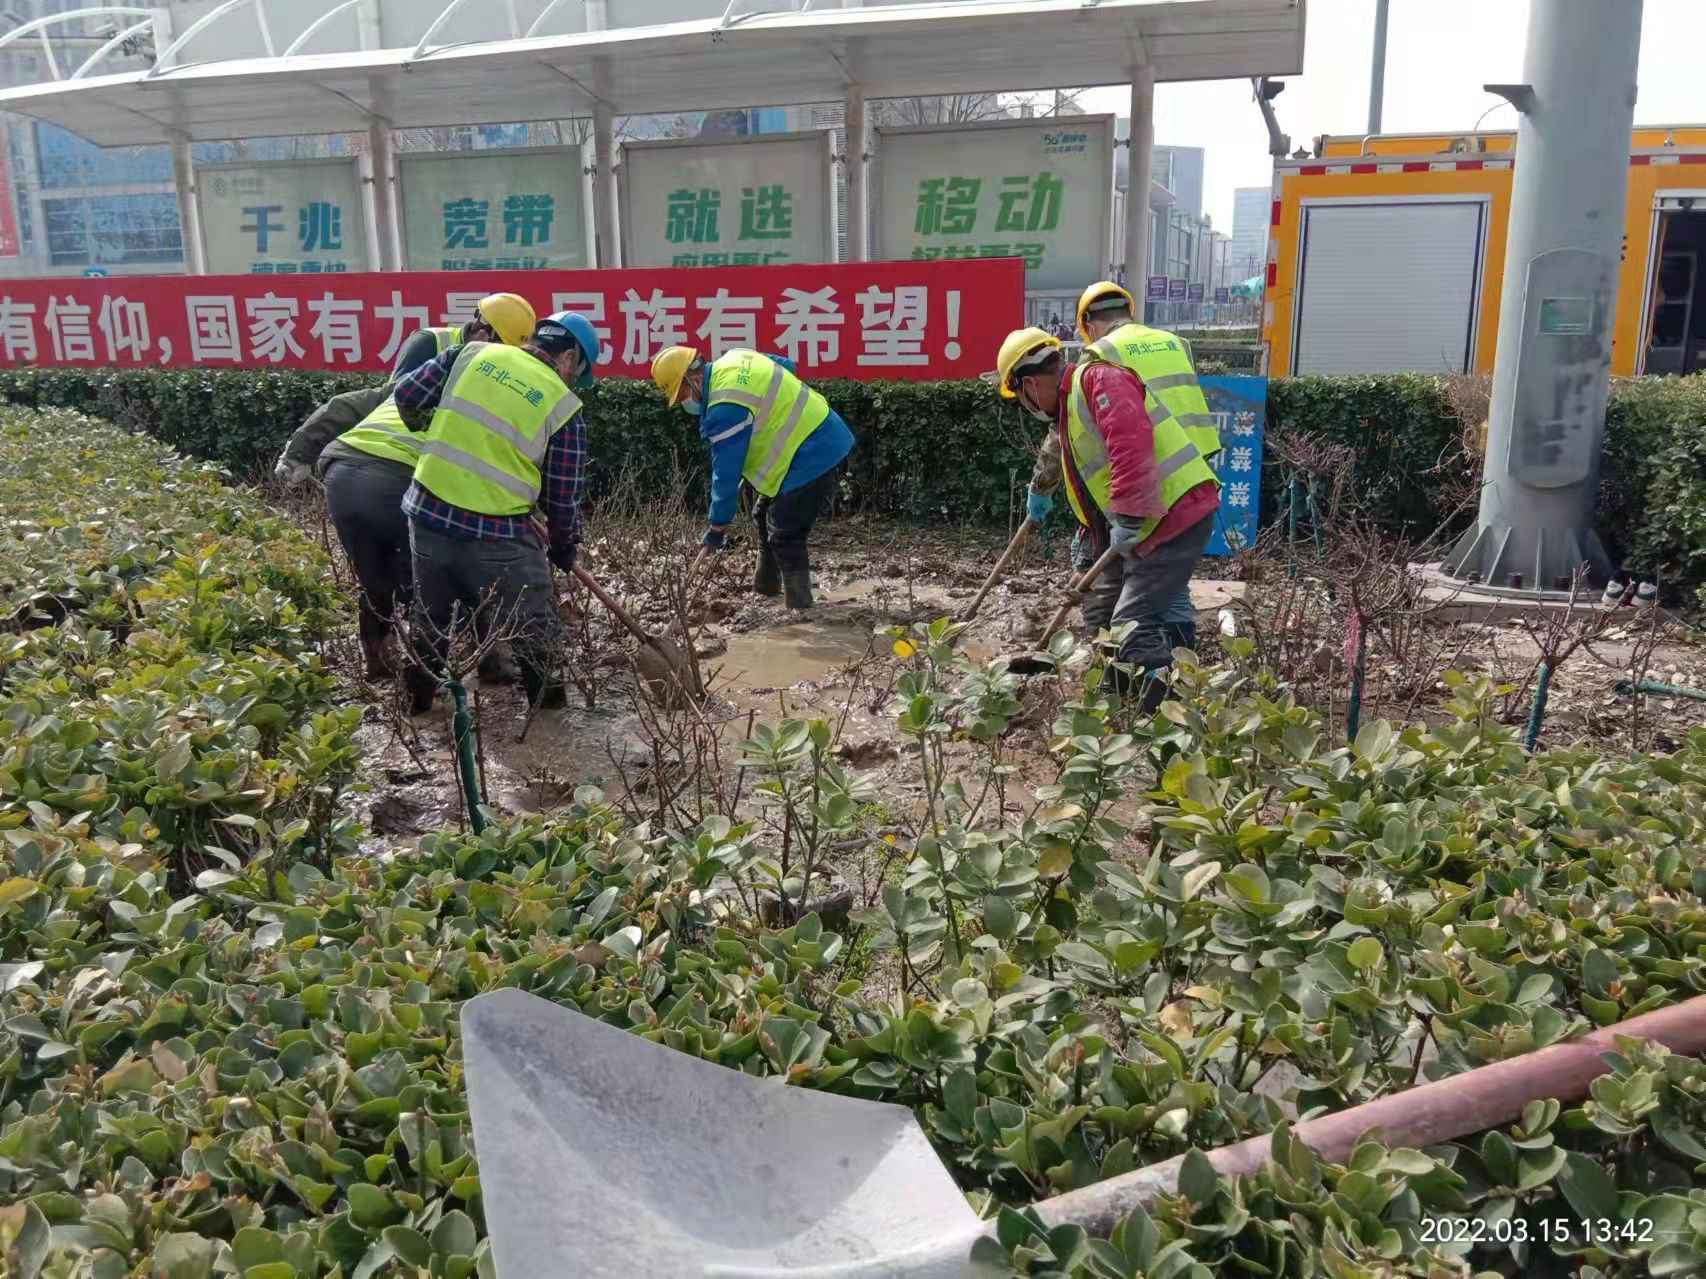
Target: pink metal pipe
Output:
{"points": [[1487, 1097]]}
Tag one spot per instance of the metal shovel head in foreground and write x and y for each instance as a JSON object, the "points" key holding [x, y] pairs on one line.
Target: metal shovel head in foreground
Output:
{"points": [[604, 1154]]}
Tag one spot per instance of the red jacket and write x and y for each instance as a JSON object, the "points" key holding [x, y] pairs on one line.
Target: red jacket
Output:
{"points": [[1115, 398]]}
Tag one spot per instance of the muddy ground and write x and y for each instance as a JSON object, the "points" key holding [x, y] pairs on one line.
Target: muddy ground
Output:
{"points": [[762, 664]]}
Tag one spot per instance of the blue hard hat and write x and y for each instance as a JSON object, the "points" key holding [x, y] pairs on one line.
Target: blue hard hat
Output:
{"points": [[557, 333]]}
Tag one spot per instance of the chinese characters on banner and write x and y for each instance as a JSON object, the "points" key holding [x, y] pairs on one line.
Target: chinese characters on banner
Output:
{"points": [[908, 320], [494, 211], [1040, 190], [747, 203], [295, 218], [1240, 409]]}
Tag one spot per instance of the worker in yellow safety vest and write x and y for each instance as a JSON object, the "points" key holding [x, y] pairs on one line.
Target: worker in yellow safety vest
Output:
{"points": [[365, 457], [765, 426], [1131, 467], [1161, 360], [499, 317], [504, 441]]}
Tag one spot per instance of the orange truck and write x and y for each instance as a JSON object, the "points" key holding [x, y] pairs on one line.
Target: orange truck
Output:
{"points": [[1387, 253]]}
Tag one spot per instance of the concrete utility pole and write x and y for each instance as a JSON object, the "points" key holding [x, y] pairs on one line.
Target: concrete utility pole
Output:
{"points": [[1139, 169], [1550, 383], [1377, 69]]}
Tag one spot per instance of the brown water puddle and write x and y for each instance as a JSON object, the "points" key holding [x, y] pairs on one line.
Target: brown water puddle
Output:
{"points": [[783, 656]]}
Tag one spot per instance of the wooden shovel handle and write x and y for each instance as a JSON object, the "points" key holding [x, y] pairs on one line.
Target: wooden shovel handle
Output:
{"points": [[1075, 592], [587, 580], [989, 582]]}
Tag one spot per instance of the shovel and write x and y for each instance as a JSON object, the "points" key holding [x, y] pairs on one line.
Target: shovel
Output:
{"points": [[1038, 660], [989, 582], [661, 663], [604, 1154]]}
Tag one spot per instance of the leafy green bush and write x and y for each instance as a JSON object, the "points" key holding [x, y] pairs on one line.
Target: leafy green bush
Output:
{"points": [[1657, 476], [906, 431], [229, 1044], [158, 667]]}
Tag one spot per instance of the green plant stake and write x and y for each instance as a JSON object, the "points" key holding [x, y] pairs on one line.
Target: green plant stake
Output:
{"points": [[1629, 688], [1356, 642], [1537, 709], [1314, 516], [462, 729], [1291, 522]]}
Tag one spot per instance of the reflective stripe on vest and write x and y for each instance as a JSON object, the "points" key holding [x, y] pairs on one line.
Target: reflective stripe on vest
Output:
{"points": [[785, 411], [382, 434], [486, 446], [1179, 461], [1163, 362]]}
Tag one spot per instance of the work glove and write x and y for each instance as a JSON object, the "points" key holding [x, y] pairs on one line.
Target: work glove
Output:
{"points": [[564, 556], [1124, 540], [1037, 506], [293, 475], [714, 539]]}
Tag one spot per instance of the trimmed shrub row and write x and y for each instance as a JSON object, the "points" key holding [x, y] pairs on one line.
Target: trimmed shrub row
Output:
{"points": [[950, 451]]}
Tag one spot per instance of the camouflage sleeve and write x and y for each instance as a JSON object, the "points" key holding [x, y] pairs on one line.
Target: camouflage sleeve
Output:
{"points": [[1045, 477], [331, 420]]}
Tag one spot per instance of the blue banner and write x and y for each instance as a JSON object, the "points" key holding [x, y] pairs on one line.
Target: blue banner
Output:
{"points": [[1240, 409]]}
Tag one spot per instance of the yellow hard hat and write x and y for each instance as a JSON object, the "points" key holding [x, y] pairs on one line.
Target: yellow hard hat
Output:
{"points": [[510, 315], [1019, 346], [670, 370], [1096, 293]]}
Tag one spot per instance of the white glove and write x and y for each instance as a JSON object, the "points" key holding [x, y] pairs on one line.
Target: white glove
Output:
{"points": [[292, 475]]}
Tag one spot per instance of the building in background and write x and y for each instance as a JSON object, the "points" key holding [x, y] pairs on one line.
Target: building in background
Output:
{"points": [[81, 209], [1180, 170], [1250, 212]]}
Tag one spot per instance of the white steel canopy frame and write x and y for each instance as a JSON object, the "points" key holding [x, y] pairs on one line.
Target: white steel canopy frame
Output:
{"points": [[754, 55]]}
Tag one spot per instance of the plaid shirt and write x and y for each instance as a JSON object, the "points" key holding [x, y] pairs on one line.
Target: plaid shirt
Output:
{"points": [[563, 475]]}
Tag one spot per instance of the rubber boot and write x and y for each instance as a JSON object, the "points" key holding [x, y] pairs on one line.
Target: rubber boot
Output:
{"points": [[544, 693], [378, 662], [495, 668], [422, 688], [767, 578], [1181, 635], [797, 589]]}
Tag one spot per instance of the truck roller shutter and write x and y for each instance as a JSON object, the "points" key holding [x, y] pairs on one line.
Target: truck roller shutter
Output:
{"points": [[1389, 286]]}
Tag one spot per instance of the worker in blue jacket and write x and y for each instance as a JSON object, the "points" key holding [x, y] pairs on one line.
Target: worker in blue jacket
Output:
{"points": [[769, 428]]}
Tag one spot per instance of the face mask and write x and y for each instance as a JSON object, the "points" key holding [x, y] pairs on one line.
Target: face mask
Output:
{"points": [[693, 406]]}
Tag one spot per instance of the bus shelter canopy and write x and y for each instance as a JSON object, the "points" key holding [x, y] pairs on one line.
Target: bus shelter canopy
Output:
{"points": [[740, 60]]}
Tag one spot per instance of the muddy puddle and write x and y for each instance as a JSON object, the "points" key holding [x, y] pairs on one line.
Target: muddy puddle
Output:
{"points": [[758, 662]]}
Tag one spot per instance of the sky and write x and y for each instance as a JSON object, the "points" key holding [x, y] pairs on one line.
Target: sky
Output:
{"points": [[1438, 55]]}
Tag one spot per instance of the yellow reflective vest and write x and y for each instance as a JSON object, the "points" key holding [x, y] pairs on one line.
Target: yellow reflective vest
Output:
{"points": [[443, 339], [1170, 387], [485, 448], [1180, 462], [785, 411], [382, 434]]}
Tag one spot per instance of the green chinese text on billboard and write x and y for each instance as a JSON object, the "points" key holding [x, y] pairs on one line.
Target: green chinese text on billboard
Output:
{"points": [[494, 211], [754, 203], [1040, 191], [283, 219]]}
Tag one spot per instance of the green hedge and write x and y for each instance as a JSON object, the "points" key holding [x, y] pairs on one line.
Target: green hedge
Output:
{"points": [[950, 451], [927, 450]]}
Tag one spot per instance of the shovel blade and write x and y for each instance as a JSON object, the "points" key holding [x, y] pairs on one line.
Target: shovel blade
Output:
{"points": [[602, 1153]]}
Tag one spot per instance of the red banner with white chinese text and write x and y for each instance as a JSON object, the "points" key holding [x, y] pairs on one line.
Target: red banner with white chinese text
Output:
{"points": [[912, 320]]}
